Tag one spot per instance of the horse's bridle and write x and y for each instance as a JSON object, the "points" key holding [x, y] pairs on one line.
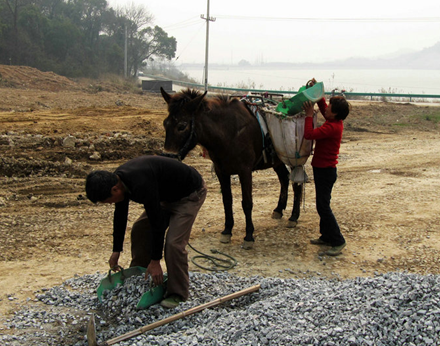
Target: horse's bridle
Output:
{"points": [[186, 147]]}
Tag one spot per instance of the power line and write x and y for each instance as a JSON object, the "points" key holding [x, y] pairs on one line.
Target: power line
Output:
{"points": [[192, 38], [183, 24], [196, 20], [300, 19]]}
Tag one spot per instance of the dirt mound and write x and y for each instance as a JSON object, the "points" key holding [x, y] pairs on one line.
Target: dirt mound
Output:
{"points": [[25, 77]]}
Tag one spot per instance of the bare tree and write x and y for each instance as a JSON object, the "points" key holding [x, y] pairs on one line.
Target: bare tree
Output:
{"points": [[144, 41]]}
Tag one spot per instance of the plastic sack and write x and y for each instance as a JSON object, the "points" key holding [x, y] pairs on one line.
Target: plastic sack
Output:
{"points": [[287, 134]]}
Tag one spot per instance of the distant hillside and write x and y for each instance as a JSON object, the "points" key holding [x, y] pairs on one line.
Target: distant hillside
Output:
{"points": [[428, 58]]}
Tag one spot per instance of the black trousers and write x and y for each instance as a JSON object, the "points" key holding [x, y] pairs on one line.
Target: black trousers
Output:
{"points": [[325, 178]]}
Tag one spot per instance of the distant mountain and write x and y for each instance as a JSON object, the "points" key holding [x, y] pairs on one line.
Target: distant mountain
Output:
{"points": [[428, 58], [397, 53]]}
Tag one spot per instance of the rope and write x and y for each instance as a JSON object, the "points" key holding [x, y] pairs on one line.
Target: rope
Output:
{"points": [[253, 107], [304, 197], [304, 189], [257, 115], [218, 264]]}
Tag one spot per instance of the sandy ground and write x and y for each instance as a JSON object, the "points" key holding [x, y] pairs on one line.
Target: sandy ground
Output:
{"points": [[385, 199]]}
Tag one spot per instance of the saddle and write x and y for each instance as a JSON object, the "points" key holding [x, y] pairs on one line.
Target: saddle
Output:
{"points": [[269, 151]]}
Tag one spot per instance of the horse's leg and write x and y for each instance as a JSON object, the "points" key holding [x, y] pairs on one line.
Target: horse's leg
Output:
{"points": [[247, 205], [225, 184], [283, 176], [297, 192]]}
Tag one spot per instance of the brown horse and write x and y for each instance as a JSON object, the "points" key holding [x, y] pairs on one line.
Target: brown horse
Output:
{"points": [[231, 134]]}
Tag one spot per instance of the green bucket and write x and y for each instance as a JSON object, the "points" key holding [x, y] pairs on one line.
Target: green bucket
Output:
{"points": [[118, 278], [153, 296], [294, 105]]}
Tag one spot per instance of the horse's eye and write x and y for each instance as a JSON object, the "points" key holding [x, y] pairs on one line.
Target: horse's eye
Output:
{"points": [[181, 126]]}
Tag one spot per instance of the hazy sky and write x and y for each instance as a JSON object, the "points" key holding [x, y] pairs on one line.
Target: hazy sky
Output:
{"points": [[294, 31]]}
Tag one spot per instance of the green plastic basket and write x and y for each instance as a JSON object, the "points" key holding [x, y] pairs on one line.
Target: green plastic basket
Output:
{"points": [[153, 296], [294, 105], [118, 278]]}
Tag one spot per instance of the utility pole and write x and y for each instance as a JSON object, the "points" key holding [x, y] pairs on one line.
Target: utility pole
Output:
{"points": [[125, 52], [208, 19]]}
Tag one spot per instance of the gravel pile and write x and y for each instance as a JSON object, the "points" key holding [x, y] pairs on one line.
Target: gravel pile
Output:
{"points": [[389, 309]]}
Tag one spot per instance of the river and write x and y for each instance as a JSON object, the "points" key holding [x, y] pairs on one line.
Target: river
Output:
{"points": [[352, 80]]}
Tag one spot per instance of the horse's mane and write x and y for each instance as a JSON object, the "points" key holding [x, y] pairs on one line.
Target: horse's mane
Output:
{"points": [[184, 96], [180, 99], [190, 94]]}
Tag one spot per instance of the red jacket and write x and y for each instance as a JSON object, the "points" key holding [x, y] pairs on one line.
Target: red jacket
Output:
{"points": [[327, 139]]}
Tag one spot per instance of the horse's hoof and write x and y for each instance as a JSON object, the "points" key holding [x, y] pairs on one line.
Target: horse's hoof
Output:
{"points": [[247, 245], [225, 238], [291, 224], [276, 215]]}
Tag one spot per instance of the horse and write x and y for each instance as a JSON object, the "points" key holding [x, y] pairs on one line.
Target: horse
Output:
{"points": [[232, 136]]}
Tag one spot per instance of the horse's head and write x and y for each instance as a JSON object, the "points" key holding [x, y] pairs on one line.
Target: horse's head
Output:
{"points": [[183, 107]]}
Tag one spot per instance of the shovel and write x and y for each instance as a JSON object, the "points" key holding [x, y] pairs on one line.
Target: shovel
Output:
{"points": [[91, 331], [113, 280]]}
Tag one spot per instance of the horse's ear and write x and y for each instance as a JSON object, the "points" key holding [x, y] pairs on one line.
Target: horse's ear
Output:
{"points": [[194, 105], [165, 95]]}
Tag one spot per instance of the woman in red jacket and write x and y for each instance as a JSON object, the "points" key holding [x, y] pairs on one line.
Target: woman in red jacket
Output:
{"points": [[327, 142]]}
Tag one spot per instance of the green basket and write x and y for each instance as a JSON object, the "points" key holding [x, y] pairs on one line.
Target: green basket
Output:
{"points": [[118, 278], [294, 105], [151, 297]]}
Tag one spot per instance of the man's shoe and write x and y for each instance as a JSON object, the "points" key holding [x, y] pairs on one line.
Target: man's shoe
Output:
{"points": [[318, 241], [335, 250], [171, 301]]}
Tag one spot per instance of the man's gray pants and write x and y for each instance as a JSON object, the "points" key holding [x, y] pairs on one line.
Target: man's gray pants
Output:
{"points": [[182, 216]]}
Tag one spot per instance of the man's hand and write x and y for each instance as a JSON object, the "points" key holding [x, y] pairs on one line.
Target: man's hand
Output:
{"points": [[155, 270], [113, 261], [308, 108]]}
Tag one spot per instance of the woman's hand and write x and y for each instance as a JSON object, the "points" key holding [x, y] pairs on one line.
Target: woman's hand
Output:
{"points": [[308, 108], [311, 82]]}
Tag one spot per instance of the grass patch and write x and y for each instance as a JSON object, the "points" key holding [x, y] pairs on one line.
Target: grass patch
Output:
{"points": [[395, 117], [433, 117], [111, 83]]}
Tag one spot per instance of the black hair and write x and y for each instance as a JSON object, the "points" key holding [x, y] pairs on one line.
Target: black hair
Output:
{"points": [[340, 107], [99, 185]]}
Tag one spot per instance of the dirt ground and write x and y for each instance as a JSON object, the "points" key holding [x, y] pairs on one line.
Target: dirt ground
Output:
{"points": [[55, 130]]}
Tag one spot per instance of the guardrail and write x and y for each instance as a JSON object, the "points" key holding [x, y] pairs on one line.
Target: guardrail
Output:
{"points": [[353, 94], [371, 95]]}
